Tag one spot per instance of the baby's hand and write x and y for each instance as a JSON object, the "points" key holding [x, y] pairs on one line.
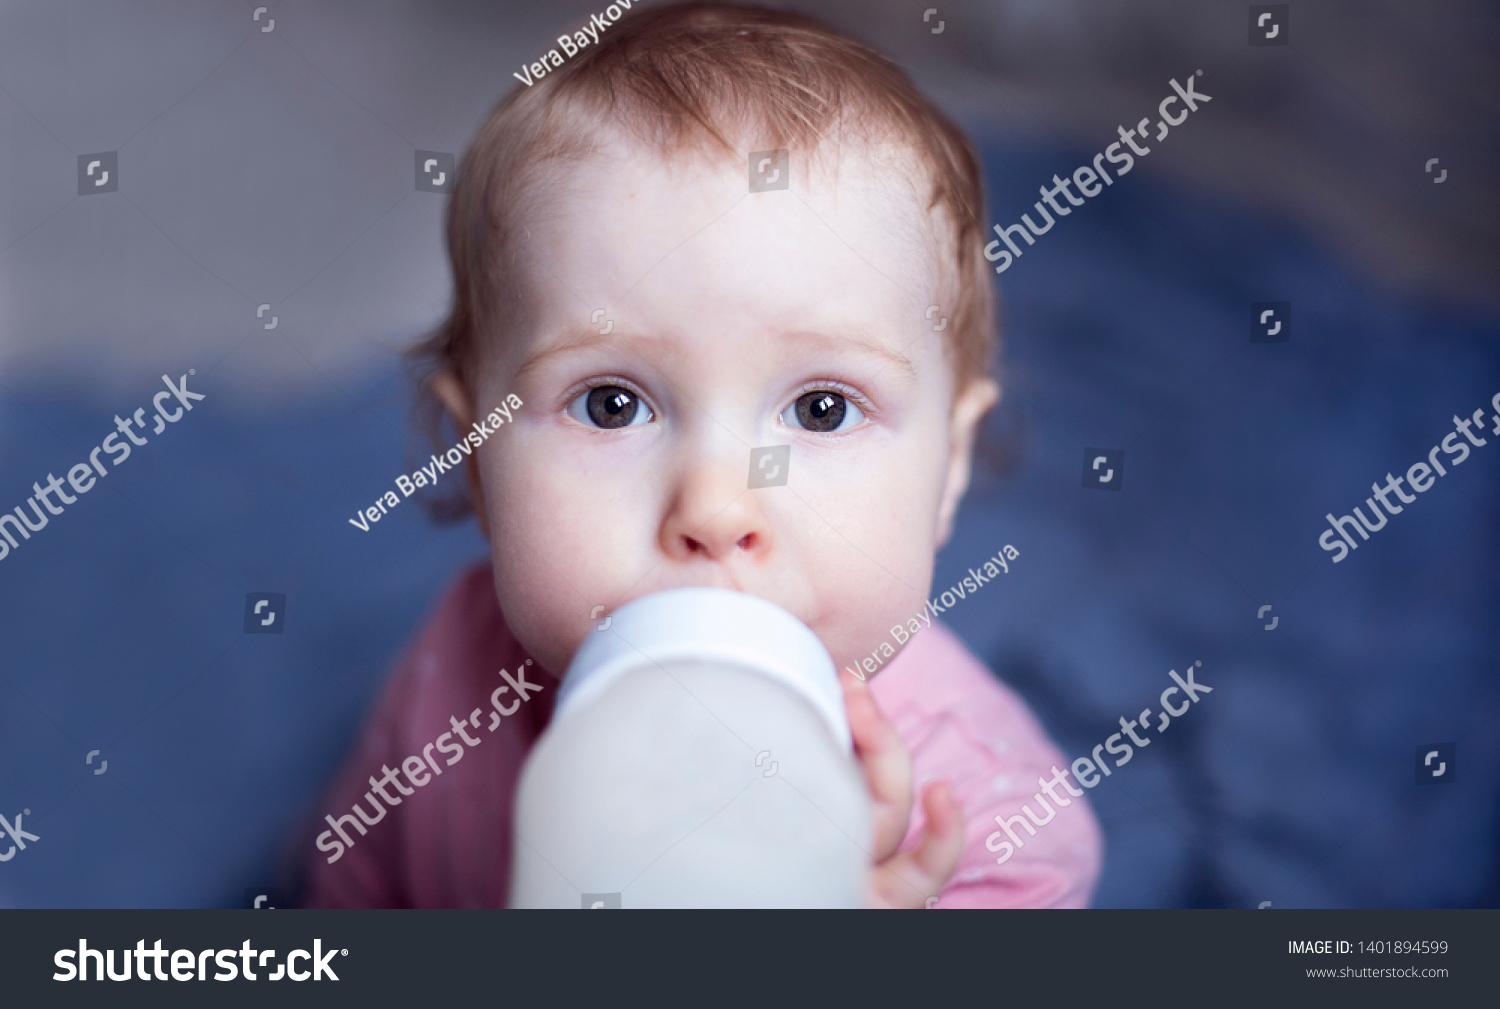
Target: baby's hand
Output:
{"points": [[909, 878]]}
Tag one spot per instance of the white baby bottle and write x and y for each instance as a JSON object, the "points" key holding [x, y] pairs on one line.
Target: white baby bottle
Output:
{"points": [[699, 756]]}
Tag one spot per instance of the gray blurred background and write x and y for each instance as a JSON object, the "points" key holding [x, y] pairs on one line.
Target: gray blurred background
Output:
{"points": [[276, 168]]}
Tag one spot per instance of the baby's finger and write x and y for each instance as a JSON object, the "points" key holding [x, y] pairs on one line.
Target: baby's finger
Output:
{"points": [[913, 876], [887, 768], [942, 837]]}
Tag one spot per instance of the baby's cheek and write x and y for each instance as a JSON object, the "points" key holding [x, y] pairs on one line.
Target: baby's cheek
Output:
{"points": [[864, 594], [560, 551], [542, 612], [532, 579]]}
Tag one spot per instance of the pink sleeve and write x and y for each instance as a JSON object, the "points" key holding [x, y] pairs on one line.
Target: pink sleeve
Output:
{"points": [[364, 876], [963, 726], [448, 842]]}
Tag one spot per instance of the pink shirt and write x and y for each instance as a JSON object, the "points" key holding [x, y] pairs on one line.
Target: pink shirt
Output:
{"points": [[448, 844]]}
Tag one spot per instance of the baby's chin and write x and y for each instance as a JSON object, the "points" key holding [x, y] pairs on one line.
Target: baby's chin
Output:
{"points": [[849, 641], [553, 650]]}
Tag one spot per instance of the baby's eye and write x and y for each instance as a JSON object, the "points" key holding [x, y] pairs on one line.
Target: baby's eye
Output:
{"points": [[610, 407], [822, 411]]}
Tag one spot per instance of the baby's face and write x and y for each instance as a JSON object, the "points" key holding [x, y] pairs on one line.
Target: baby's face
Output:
{"points": [[739, 320]]}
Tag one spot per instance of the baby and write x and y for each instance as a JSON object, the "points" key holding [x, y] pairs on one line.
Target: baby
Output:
{"points": [[764, 211]]}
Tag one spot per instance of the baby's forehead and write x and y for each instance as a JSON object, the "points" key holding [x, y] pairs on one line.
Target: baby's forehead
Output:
{"points": [[888, 176], [624, 198], [626, 255]]}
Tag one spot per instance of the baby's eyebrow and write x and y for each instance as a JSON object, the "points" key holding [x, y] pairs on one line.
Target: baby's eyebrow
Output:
{"points": [[578, 340], [839, 341], [586, 339]]}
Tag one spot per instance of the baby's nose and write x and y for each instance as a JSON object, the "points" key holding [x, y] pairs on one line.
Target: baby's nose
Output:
{"points": [[717, 547], [715, 515]]}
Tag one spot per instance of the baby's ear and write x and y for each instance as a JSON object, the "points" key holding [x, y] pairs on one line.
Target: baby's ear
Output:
{"points": [[969, 408], [460, 406]]}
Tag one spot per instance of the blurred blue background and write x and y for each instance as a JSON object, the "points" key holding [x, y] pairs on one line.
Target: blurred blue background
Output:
{"points": [[275, 168]]}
